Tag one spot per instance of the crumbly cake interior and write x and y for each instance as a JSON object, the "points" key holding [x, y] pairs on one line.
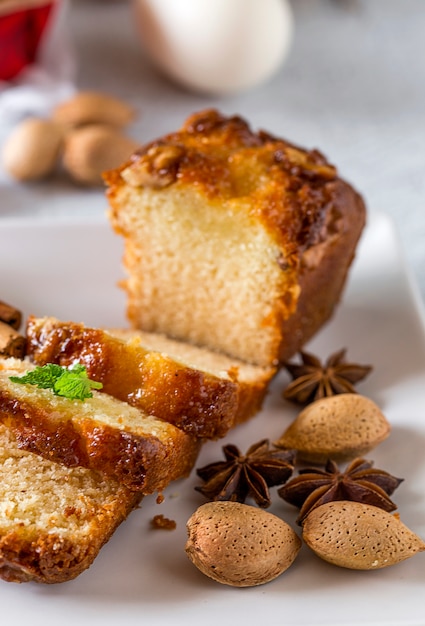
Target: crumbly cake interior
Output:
{"points": [[39, 495], [206, 262], [215, 363], [201, 392], [235, 240]]}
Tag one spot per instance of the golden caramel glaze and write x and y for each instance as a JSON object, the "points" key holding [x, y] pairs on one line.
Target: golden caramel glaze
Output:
{"points": [[293, 191], [197, 402], [312, 217], [144, 464], [144, 457]]}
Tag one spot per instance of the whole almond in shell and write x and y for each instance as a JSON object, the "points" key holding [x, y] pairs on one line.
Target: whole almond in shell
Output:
{"points": [[339, 427], [240, 545], [92, 107], [32, 149], [359, 536], [92, 150]]}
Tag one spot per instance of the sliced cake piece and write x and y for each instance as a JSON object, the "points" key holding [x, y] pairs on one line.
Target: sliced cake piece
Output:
{"points": [[234, 240], [100, 433], [202, 392], [53, 519]]}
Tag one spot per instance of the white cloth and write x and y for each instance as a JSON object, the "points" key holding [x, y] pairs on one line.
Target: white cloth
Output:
{"points": [[50, 80]]}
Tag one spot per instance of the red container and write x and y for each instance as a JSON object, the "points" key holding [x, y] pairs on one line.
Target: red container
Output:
{"points": [[21, 33]]}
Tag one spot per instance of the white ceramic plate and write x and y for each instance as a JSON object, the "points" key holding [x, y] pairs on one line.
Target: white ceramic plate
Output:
{"points": [[142, 576]]}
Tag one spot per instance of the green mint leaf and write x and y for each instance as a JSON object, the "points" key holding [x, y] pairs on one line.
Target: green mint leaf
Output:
{"points": [[75, 384], [72, 383], [43, 377]]}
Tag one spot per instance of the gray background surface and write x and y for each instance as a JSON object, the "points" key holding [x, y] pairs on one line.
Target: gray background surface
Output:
{"points": [[353, 85]]}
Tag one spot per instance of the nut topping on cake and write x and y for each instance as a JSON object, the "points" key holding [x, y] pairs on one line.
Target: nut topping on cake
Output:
{"points": [[155, 168], [310, 164], [262, 237]]}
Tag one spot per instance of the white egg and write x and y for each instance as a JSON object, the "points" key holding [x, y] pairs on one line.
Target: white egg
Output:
{"points": [[216, 46]]}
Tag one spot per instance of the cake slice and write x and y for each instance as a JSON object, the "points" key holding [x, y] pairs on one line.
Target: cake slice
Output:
{"points": [[235, 240], [53, 519], [100, 433], [202, 392]]}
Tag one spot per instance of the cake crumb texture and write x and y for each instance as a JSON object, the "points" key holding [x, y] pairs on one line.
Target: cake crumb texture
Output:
{"points": [[53, 519], [234, 240]]}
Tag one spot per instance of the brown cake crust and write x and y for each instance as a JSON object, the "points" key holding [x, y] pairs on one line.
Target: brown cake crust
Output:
{"points": [[144, 456], [199, 403], [323, 271], [144, 464], [311, 215], [54, 519], [223, 158], [51, 558], [202, 393]]}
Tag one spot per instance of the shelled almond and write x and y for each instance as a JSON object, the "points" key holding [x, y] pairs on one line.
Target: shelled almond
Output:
{"points": [[32, 150], [92, 107], [93, 149], [85, 134]]}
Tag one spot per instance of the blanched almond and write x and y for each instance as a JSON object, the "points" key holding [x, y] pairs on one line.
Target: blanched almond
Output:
{"points": [[240, 545], [341, 427], [32, 149], [91, 107], [359, 536]]}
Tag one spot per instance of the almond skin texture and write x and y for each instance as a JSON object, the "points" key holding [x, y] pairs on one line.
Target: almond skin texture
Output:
{"points": [[341, 428], [240, 545], [91, 150], [32, 149], [91, 107], [359, 536]]}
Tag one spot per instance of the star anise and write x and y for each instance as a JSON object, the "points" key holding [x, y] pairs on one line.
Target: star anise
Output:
{"points": [[360, 483], [313, 380], [240, 476]]}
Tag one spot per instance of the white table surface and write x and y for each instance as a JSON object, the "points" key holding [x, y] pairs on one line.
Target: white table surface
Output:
{"points": [[353, 86]]}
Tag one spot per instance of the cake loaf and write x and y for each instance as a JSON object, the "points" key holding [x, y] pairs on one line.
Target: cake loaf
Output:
{"points": [[100, 433], [199, 391], [235, 240], [53, 519]]}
